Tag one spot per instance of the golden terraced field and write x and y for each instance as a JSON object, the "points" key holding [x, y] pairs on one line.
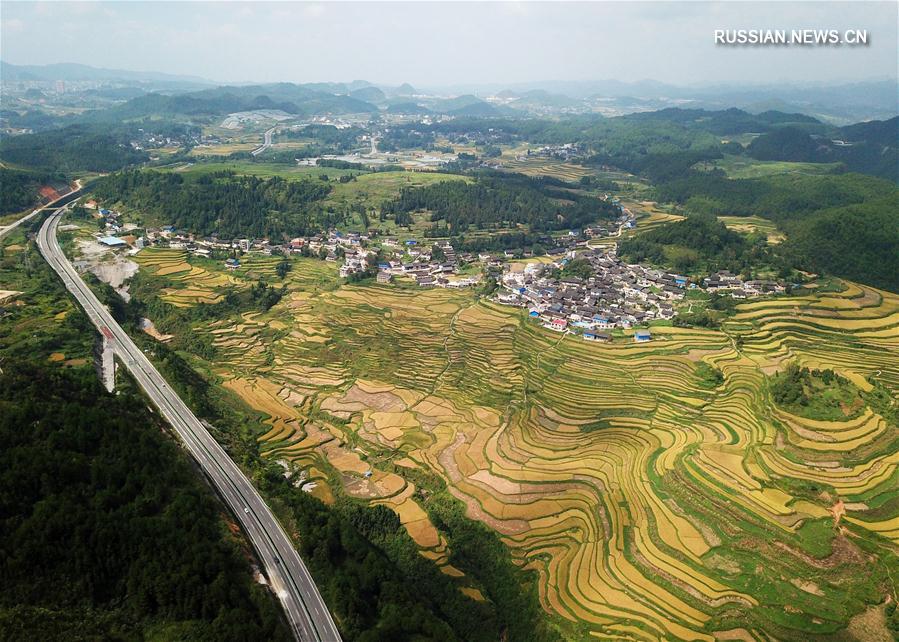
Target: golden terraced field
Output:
{"points": [[651, 505]]}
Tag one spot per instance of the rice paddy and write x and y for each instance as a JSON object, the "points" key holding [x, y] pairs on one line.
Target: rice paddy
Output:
{"points": [[190, 284], [539, 166], [651, 506]]}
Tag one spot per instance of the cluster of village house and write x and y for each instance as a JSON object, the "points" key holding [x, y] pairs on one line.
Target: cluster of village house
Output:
{"points": [[407, 259], [617, 295], [564, 152]]}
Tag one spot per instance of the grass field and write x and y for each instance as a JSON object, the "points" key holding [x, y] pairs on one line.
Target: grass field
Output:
{"points": [[652, 504], [371, 190], [744, 167]]}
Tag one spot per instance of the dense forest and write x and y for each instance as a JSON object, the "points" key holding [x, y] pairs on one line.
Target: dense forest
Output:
{"points": [[858, 242], [822, 395], [779, 198], [846, 225], [876, 154], [224, 203], [106, 529], [19, 188], [494, 202], [72, 149], [698, 244]]}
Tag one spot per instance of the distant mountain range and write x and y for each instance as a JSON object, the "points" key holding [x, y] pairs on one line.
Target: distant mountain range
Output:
{"points": [[69, 71], [838, 104]]}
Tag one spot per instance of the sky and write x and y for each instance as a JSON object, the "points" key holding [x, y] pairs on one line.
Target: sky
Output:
{"points": [[436, 44]]}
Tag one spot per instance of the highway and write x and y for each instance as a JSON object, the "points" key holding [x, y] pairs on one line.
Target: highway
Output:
{"points": [[286, 572], [267, 142]]}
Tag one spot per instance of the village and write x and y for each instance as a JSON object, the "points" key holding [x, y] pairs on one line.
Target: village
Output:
{"points": [[606, 293], [616, 295]]}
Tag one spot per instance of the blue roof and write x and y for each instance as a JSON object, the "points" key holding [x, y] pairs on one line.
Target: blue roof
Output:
{"points": [[642, 333], [112, 240], [411, 242]]}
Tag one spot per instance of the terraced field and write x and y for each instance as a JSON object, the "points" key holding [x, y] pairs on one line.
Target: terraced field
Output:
{"points": [[751, 224], [651, 505], [536, 166], [191, 284]]}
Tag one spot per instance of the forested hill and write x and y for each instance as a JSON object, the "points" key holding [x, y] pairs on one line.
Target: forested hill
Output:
{"points": [[19, 189], [494, 202], [698, 245], [870, 148], [106, 530], [779, 198], [227, 204], [847, 225], [287, 97], [72, 149]]}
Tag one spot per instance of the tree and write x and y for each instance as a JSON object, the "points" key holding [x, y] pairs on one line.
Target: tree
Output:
{"points": [[282, 268]]}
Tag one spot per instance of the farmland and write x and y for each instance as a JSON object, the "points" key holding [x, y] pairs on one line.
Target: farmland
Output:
{"points": [[741, 167], [371, 190], [753, 224], [188, 284], [651, 503]]}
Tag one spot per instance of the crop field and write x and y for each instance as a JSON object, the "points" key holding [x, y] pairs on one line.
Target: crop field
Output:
{"points": [[371, 190], [189, 284], [535, 166], [750, 224], [651, 505], [649, 215]]}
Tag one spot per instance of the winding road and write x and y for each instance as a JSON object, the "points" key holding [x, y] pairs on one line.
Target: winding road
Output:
{"points": [[287, 574]]}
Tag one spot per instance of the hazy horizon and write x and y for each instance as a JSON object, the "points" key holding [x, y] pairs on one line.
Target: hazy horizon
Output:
{"points": [[483, 44]]}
